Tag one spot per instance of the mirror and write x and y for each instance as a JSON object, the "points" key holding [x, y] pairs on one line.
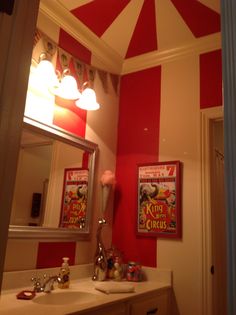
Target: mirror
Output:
{"points": [[54, 184]]}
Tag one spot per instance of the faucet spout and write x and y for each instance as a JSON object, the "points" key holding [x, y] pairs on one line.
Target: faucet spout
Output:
{"points": [[48, 284]]}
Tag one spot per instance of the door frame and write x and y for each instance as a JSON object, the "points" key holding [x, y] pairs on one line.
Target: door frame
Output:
{"points": [[16, 42], [207, 115]]}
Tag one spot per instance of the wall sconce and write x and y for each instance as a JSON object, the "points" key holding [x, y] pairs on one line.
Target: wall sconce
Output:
{"points": [[88, 100], [45, 73], [67, 87]]}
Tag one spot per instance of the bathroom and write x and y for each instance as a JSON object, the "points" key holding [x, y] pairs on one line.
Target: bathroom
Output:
{"points": [[158, 120]]}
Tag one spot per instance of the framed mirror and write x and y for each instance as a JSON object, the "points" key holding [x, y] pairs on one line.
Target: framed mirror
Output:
{"points": [[54, 184]]}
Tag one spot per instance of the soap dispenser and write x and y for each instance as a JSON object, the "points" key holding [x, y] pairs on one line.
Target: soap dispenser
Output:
{"points": [[64, 274]]}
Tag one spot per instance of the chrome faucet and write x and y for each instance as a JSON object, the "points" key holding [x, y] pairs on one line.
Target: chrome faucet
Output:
{"points": [[48, 284]]}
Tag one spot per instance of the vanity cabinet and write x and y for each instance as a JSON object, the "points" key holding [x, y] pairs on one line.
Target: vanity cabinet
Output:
{"points": [[118, 308], [155, 303], [151, 304]]}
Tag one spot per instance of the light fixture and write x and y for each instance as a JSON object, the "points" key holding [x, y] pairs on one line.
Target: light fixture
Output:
{"points": [[88, 99], [45, 73], [65, 85], [68, 87]]}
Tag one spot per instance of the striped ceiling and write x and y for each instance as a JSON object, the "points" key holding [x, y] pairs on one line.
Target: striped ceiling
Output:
{"points": [[135, 27]]}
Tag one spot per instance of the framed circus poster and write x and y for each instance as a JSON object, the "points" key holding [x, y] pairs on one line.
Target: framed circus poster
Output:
{"points": [[159, 199], [74, 198]]}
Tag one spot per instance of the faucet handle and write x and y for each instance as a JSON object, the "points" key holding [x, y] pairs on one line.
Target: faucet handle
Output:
{"points": [[37, 284]]}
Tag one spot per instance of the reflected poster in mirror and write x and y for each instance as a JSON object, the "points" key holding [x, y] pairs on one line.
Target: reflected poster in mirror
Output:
{"points": [[74, 198], [159, 204]]}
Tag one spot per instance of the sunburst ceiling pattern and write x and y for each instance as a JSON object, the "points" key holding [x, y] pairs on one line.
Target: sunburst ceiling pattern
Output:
{"points": [[136, 27]]}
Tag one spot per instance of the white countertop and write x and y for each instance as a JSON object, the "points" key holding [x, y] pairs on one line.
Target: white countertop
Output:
{"points": [[155, 280]]}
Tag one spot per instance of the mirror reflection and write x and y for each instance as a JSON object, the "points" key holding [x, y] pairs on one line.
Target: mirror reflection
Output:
{"points": [[53, 186], [31, 185]]}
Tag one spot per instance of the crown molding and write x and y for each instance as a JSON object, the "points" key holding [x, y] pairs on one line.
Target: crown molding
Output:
{"points": [[64, 19], [152, 59]]}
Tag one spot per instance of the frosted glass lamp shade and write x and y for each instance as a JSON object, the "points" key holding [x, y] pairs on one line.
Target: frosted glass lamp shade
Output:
{"points": [[88, 100], [68, 88], [45, 74]]}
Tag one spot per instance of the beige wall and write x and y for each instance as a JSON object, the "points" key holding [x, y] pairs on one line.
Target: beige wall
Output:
{"points": [[180, 140], [29, 182]]}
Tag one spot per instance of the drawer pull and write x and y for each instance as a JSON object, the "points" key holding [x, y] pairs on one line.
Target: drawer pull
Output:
{"points": [[154, 311]]}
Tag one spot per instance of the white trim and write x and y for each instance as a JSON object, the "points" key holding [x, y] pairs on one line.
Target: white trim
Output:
{"points": [[206, 116], [16, 42], [149, 60]]}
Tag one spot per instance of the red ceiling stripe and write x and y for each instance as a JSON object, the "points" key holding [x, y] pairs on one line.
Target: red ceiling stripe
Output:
{"points": [[144, 38], [98, 15], [200, 19]]}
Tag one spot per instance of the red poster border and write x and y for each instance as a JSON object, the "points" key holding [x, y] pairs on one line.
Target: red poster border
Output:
{"points": [[178, 203]]}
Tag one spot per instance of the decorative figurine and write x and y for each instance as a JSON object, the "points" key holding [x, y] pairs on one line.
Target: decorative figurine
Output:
{"points": [[100, 263]]}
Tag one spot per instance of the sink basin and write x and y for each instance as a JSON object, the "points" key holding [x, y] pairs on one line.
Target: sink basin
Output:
{"points": [[65, 297]]}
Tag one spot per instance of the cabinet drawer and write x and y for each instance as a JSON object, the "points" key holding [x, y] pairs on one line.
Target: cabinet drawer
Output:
{"points": [[156, 305], [114, 309]]}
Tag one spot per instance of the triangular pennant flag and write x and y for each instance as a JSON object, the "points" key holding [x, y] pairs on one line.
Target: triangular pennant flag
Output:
{"points": [[103, 77], [64, 58], [37, 36], [49, 46], [115, 80], [79, 70], [91, 75]]}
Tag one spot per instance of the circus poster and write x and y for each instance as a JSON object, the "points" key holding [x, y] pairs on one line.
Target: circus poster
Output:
{"points": [[159, 199]]}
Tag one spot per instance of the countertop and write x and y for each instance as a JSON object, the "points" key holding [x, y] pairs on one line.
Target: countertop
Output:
{"points": [[155, 280]]}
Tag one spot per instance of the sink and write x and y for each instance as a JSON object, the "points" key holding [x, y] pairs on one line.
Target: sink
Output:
{"points": [[65, 297]]}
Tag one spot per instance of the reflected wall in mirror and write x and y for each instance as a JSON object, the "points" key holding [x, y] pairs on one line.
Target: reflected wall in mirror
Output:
{"points": [[42, 204]]}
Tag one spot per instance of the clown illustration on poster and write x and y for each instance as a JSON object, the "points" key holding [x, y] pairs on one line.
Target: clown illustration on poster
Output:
{"points": [[159, 199], [74, 198]]}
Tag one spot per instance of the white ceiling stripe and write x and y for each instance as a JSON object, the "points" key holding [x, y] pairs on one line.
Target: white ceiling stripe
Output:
{"points": [[119, 33], [173, 30]]}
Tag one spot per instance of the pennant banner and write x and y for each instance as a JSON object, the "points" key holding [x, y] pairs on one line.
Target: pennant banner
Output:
{"points": [[82, 72]]}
